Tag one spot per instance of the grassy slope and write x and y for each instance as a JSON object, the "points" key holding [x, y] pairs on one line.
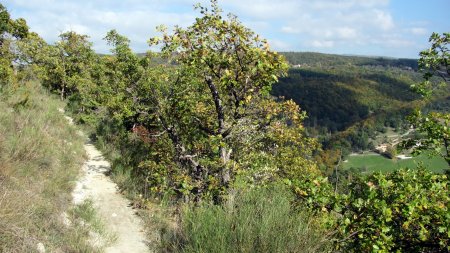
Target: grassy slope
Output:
{"points": [[40, 157], [375, 162]]}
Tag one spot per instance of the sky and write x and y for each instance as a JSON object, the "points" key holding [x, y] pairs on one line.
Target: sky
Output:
{"points": [[393, 28]]}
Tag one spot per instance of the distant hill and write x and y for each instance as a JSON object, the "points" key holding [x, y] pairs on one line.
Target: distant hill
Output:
{"points": [[353, 97], [312, 59], [332, 60], [338, 97]]}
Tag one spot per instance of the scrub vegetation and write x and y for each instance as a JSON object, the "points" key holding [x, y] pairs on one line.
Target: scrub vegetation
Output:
{"points": [[196, 127]]}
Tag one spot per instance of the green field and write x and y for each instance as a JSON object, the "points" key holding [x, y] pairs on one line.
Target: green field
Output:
{"points": [[374, 162]]}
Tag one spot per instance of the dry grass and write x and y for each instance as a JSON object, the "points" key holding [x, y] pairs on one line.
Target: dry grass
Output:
{"points": [[254, 220], [40, 157]]}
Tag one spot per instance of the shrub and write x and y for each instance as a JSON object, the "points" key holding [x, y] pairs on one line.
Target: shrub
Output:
{"points": [[256, 220], [403, 211]]}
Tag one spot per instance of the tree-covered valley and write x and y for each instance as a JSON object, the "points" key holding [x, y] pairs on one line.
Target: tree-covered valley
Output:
{"points": [[224, 145], [352, 102]]}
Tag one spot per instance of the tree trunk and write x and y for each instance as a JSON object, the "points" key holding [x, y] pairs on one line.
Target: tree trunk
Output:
{"points": [[223, 151], [447, 150], [197, 171], [218, 105], [225, 156], [63, 90]]}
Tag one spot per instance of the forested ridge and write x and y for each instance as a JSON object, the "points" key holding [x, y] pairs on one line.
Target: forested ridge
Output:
{"points": [[351, 100], [329, 60], [231, 133], [339, 98]]}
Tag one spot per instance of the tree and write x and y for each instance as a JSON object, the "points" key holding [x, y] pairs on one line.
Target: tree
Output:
{"points": [[4, 22], [5, 63], [34, 53], [123, 72], [214, 108], [11, 28], [67, 63], [434, 126], [10, 32], [435, 62]]}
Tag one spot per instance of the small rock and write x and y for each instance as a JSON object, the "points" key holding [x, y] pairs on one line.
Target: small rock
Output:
{"points": [[96, 240], [65, 219], [40, 247]]}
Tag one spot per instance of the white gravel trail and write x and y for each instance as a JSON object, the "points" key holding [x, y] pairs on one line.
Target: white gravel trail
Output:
{"points": [[112, 207]]}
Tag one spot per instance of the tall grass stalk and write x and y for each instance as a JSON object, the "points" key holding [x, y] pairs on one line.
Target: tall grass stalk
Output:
{"points": [[257, 220]]}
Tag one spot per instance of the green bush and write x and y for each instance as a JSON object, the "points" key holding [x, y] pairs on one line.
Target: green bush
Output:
{"points": [[257, 220], [403, 211]]}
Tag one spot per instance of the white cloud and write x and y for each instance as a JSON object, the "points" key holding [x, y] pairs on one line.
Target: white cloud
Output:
{"points": [[136, 19], [265, 9], [297, 25], [322, 44], [339, 23], [347, 33], [397, 43], [347, 4], [393, 40], [81, 29], [279, 45], [289, 29], [384, 20], [418, 31], [107, 17]]}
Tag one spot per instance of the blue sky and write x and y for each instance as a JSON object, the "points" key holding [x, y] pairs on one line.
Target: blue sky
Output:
{"points": [[396, 28]]}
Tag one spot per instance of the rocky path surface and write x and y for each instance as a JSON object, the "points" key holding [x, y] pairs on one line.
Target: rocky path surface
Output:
{"points": [[112, 208]]}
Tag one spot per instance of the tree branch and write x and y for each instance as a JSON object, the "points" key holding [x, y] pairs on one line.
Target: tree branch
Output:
{"points": [[218, 104]]}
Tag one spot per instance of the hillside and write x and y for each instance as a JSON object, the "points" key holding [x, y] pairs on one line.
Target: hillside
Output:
{"points": [[40, 158], [339, 97], [329, 60], [353, 98]]}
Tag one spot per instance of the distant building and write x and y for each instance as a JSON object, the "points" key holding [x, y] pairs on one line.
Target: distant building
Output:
{"points": [[382, 148]]}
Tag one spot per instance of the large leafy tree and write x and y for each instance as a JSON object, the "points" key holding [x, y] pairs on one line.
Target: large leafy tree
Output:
{"points": [[11, 28], [123, 71], [5, 63], [434, 126], [67, 64], [35, 54], [215, 110], [10, 31], [435, 62]]}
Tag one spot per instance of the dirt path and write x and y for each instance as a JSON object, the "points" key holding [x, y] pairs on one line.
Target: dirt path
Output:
{"points": [[113, 208]]}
